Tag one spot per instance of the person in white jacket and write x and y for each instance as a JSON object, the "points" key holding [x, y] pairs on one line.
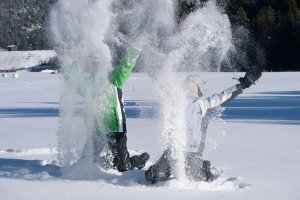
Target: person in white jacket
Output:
{"points": [[197, 112]]}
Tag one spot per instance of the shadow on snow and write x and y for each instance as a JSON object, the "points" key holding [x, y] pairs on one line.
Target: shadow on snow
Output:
{"points": [[17, 168], [34, 170], [274, 106], [28, 112], [281, 109]]}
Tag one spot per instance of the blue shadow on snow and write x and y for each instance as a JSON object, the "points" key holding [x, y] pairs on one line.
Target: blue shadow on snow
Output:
{"points": [[277, 108], [30, 166], [28, 112], [281, 106]]}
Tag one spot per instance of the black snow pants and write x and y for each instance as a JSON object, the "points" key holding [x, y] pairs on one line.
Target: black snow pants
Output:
{"points": [[161, 170], [194, 168], [117, 143]]}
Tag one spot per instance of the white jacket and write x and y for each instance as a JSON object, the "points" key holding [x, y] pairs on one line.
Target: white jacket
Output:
{"points": [[196, 112]]}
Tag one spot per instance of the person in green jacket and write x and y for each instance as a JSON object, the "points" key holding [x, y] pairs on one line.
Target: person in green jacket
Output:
{"points": [[115, 119]]}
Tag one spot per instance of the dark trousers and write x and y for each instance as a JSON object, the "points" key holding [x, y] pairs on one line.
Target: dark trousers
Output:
{"points": [[161, 170], [117, 143]]}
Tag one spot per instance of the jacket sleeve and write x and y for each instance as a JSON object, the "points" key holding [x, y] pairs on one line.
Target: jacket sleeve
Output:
{"points": [[122, 71], [219, 99], [234, 94]]}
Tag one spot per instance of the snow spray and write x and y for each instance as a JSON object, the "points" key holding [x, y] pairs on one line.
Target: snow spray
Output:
{"points": [[198, 43], [84, 29], [83, 32], [78, 29]]}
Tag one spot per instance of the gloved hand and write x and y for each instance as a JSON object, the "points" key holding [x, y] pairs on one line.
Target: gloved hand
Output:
{"points": [[250, 77]]}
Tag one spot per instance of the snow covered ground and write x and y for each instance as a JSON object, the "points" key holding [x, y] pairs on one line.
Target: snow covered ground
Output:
{"points": [[24, 59], [256, 146]]}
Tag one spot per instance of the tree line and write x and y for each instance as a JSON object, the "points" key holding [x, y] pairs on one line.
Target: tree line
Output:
{"points": [[275, 25], [272, 28], [24, 23]]}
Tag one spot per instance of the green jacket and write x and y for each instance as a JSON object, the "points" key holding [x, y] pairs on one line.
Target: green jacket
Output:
{"points": [[115, 115], [115, 118]]}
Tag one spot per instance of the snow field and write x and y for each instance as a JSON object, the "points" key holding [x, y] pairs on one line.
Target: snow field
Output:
{"points": [[257, 151]]}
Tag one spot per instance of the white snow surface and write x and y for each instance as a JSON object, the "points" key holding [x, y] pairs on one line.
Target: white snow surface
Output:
{"points": [[256, 146], [24, 59]]}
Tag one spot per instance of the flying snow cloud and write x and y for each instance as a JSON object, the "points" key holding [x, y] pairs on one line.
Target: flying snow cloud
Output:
{"points": [[78, 30], [92, 35]]}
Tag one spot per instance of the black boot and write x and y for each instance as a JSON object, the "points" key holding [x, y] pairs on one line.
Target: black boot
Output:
{"points": [[121, 158], [160, 171], [139, 162], [206, 170]]}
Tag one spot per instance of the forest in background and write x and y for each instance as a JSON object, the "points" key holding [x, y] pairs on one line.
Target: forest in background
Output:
{"points": [[274, 25], [24, 23], [272, 28]]}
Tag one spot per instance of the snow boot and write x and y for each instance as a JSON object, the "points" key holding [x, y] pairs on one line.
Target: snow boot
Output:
{"points": [[206, 170], [155, 173], [139, 162], [250, 77], [160, 171]]}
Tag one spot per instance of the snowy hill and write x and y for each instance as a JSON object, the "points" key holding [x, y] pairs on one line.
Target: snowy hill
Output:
{"points": [[24, 59], [256, 146]]}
